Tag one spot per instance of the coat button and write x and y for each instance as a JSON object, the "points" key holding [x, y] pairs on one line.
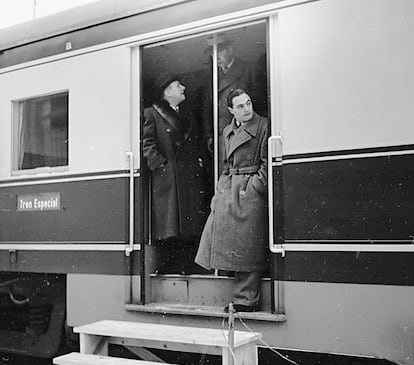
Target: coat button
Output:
{"points": [[168, 130]]}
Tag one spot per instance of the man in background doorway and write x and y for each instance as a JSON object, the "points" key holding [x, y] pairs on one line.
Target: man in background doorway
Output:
{"points": [[233, 73], [173, 148]]}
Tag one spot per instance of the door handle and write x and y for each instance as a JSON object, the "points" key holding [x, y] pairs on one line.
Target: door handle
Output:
{"points": [[130, 247], [272, 148]]}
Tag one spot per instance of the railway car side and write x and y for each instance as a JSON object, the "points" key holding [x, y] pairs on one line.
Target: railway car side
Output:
{"points": [[76, 241]]}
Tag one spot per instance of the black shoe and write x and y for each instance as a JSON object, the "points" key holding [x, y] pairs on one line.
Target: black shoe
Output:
{"points": [[243, 308]]}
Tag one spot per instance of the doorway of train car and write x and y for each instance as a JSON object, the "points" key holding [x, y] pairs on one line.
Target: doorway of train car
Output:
{"points": [[185, 83]]}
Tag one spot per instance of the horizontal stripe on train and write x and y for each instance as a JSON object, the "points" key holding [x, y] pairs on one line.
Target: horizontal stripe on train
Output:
{"points": [[383, 150], [347, 267]]}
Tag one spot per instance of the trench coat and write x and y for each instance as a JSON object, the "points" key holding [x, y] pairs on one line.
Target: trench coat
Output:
{"points": [[235, 235], [173, 149]]}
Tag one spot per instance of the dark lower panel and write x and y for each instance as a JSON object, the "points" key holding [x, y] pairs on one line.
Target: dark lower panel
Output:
{"points": [[57, 262], [347, 267], [362, 198], [95, 210]]}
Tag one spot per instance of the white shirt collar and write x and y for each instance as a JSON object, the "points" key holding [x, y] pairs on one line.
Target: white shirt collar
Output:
{"points": [[227, 68], [175, 108], [230, 64]]}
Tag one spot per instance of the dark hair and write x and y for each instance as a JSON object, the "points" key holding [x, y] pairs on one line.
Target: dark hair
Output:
{"points": [[233, 94]]}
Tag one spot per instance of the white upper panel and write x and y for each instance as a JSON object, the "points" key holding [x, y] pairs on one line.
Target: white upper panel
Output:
{"points": [[99, 86], [347, 75]]}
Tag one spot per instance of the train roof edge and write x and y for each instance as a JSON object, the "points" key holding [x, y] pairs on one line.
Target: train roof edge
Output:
{"points": [[107, 20], [85, 16]]}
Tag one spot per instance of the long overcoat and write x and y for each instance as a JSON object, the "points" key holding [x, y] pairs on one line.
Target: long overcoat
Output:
{"points": [[235, 235], [172, 147]]}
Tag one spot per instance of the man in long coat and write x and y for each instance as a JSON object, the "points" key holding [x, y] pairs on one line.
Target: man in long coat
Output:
{"points": [[233, 73], [235, 235], [173, 148]]}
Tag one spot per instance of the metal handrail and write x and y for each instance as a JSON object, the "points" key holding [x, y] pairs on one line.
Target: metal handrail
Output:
{"points": [[216, 146], [273, 248], [130, 247]]}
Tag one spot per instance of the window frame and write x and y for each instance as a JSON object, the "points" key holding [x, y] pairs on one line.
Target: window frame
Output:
{"points": [[15, 145]]}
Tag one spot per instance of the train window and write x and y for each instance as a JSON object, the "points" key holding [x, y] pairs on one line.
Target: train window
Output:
{"points": [[41, 132]]}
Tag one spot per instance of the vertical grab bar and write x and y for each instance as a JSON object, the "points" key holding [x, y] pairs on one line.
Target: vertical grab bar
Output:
{"points": [[130, 247], [215, 121], [216, 146], [273, 248]]}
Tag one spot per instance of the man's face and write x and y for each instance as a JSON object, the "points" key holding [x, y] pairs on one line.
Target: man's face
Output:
{"points": [[224, 57], [175, 91], [242, 108]]}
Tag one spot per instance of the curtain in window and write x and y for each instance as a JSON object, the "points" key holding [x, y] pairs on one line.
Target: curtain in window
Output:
{"points": [[43, 132], [21, 135]]}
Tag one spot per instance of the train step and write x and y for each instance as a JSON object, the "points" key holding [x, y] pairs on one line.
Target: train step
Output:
{"points": [[200, 290], [95, 338], [76, 358], [202, 311]]}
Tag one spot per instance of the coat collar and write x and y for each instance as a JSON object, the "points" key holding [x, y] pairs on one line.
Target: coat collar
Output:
{"points": [[246, 133], [235, 72], [182, 122], [167, 113]]}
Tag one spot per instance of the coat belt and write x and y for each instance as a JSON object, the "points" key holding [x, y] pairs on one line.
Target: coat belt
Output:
{"points": [[248, 170]]}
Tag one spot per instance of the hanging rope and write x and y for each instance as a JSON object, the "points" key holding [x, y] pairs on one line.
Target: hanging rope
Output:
{"points": [[233, 359]]}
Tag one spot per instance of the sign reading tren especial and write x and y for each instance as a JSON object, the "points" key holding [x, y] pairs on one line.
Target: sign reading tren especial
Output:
{"points": [[38, 202]]}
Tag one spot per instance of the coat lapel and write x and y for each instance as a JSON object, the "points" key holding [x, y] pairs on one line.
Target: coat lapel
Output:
{"points": [[186, 120], [166, 113], [241, 135]]}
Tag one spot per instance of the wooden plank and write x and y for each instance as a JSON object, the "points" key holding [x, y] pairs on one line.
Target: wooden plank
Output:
{"points": [[144, 354], [76, 358], [93, 344], [156, 333], [164, 345], [245, 355], [202, 311]]}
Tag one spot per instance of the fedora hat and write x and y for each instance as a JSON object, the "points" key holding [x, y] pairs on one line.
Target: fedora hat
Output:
{"points": [[222, 42], [163, 80]]}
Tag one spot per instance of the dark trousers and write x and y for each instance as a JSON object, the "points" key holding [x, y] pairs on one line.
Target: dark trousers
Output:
{"points": [[246, 290]]}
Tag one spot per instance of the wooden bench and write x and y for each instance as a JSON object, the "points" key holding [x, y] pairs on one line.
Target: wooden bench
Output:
{"points": [[95, 337], [75, 358]]}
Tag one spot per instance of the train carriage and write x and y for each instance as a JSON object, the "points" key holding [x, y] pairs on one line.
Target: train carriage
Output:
{"points": [[75, 219]]}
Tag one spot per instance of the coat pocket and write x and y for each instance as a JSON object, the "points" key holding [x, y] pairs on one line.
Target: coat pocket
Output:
{"points": [[244, 185], [257, 185]]}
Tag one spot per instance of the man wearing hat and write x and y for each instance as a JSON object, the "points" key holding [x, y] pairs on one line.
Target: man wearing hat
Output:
{"points": [[173, 149], [233, 73]]}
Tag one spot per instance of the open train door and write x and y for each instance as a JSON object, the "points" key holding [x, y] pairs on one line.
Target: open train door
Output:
{"points": [[275, 171], [169, 261]]}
